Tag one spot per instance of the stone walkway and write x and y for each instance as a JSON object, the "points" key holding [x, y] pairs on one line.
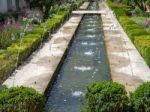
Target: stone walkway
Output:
{"points": [[126, 64], [42, 68]]}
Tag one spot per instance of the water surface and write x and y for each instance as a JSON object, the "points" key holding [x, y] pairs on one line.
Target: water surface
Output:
{"points": [[86, 63]]}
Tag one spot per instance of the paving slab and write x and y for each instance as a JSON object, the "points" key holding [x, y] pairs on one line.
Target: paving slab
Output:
{"points": [[126, 64], [84, 6], [40, 70], [88, 12]]}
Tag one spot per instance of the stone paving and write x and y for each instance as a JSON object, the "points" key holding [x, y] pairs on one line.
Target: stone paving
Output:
{"points": [[41, 68], [126, 64]]}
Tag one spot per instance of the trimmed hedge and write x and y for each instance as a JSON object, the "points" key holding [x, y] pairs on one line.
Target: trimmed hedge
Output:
{"points": [[137, 33], [141, 98], [132, 29], [30, 42], [21, 99], [112, 97], [107, 97], [143, 45]]}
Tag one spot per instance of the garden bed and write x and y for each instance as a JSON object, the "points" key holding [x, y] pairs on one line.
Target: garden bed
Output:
{"points": [[9, 58], [136, 28]]}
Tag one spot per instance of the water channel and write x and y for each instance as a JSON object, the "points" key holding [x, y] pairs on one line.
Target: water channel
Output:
{"points": [[85, 63]]}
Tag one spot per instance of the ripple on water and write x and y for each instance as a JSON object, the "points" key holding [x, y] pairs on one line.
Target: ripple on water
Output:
{"points": [[91, 36], [91, 25], [84, 43], [83, 68], [89, 53], [77, 93], [91, 29], [91, 43]]}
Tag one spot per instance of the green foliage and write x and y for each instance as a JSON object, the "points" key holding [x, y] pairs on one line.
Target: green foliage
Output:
{"points": [[143, 45], [8, 35], [20, 99], [141, 98], [39, 31], [139, 12], [131, 27], [120, 10], [107, 97], [148, 2]]}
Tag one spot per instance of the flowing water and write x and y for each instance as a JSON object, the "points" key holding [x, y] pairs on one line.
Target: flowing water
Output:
{"points": [[85, 63]]}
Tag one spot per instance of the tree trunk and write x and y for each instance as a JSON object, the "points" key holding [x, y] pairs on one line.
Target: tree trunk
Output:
{"points": [[47, 8], [17, 5]]}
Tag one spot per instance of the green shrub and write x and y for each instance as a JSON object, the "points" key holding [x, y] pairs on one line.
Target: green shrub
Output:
{"points": [[107, 97], [6, 67], [20, 99], [141, 98], [142, 43], [39, 31], [124, 20], [135, 33], [120, 10]]}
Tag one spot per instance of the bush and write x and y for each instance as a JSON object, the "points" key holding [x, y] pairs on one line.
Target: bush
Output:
{"points": [[107, 97], [141, 98], [20, 99]]}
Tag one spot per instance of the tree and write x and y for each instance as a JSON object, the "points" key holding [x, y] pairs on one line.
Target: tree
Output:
{"points": [[17, 5], [43, 5]]}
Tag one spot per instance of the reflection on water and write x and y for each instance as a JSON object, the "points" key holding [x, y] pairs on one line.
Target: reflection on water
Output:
{"points": [[86, 63]]}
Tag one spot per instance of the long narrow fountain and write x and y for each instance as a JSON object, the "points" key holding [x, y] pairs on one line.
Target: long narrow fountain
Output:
{"points": [[85, 63]]}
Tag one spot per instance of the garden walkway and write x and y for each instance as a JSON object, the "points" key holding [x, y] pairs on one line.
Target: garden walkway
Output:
{"points": [[126, 64]]}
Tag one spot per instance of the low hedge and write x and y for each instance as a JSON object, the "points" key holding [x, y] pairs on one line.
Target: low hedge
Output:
{"points": [[112, 97], [119, 9], [141, 98], [30, 42], [143, 45], [135, 31], [107, 97], [21, 99]]}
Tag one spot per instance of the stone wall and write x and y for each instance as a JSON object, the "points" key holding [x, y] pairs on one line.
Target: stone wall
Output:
{"points": [[3, 6], [10, 5]]}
